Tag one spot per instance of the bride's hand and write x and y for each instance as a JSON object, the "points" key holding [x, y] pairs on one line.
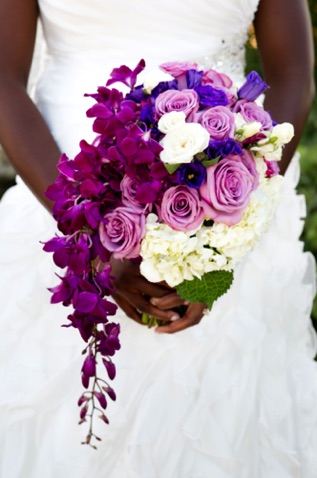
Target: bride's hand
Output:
{"points": [[192, 316], [133, 293]]}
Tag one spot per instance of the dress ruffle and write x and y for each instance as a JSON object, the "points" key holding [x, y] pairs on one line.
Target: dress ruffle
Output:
{"points": [[234, 397]]}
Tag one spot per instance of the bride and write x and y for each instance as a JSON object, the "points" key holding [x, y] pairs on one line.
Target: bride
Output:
{"points": [[236, 395]]}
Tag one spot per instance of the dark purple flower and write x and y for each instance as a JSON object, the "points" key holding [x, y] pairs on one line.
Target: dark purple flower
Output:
{"points": [[209, 96], [272, 168], [110, 392], [89, 365], [110, 367], [109, 339], [192, 174], [253, 87], [222, 148], [125, 75], [101, 399], [164, 86], [65, 290], [84, 409], [147, 114], [137, 94], [193, 79], [86, 302]]}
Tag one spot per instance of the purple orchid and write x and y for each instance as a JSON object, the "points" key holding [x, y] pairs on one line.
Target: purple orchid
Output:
{"points": [[125, 75]]}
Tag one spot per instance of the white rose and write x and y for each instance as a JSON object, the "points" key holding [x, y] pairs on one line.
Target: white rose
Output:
{"points": [[284, 132], [171, 120], [246, 130], [183, 142], [268, 151], [153, 78]]}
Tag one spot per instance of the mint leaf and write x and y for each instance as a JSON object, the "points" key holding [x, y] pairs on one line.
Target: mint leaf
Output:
{"points": [[210, 162], [201, 156], [171, 168], [207, 289]]}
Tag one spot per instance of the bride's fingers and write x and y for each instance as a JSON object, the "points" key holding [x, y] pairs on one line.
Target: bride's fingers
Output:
{"points": [[193, 316], [168, 301], [134, 303], [127, 308]]}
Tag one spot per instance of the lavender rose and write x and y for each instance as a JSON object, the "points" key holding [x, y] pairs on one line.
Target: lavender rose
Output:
{"points": [[181, 208], [253, 112], [227, 190], [129, 187], [174, 100], [123, 232], [248, 161], [215, 79], [178, 68], [219, 122]]}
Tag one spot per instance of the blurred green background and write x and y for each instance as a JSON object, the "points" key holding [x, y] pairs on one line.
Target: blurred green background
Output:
{"points": [[308, 150]]}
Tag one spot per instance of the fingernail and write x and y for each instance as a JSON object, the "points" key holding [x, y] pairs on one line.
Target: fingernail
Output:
{"points": [[186, 302], [153, 301], [174, 317]]}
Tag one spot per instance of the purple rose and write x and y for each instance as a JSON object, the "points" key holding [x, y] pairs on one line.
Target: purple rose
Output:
{"points": [[129, 187], [253, 87], [173, 100], [248, 161], [122, 232], [227, 190], [181, 208], [219, 122], [178, 68], [215, 79], [253, 112]]}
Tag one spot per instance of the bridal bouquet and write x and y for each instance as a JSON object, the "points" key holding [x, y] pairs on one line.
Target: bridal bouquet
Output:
{"points": [[182, 176]]}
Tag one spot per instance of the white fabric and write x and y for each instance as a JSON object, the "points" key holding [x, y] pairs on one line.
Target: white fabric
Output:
{"points": [[235, 396]]}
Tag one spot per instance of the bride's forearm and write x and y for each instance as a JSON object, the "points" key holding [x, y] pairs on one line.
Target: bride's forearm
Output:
{"points": [[26, 139], [290, 100], [23, 133], [284, 36]]}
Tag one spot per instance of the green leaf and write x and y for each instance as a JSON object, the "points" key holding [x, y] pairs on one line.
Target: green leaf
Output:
{"points": [[207, 289], [210, 162], [151, 321], [201, 157], [171, 168]]}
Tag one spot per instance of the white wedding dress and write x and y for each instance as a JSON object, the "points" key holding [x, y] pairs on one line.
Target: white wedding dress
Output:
{"points": [[233, 397]]}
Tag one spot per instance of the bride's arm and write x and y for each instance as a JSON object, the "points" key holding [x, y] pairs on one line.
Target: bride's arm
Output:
{"points": [[23, 132], [284, 36]]}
